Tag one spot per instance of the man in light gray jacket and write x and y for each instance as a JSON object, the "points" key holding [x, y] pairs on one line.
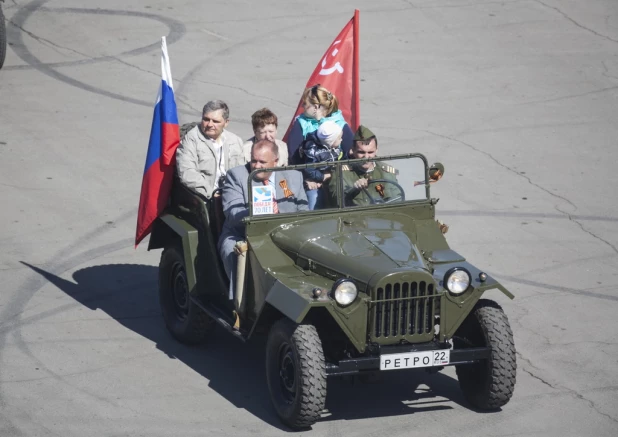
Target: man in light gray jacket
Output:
{"points": [[208, 151]]}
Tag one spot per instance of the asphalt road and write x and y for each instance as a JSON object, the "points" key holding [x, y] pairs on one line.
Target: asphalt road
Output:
{"points": [[517, 98]]}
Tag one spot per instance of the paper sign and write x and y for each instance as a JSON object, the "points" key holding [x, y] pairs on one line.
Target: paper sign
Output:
{"points": [[263, 200]]}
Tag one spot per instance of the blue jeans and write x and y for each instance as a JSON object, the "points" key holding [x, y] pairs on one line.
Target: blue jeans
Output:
{"points": [[316, 198]]}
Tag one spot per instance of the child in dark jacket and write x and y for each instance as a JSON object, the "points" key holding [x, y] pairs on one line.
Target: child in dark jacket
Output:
{"points": [[323, 145]]}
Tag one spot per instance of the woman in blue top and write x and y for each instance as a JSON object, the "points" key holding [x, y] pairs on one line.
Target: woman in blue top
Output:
{"points": [[323, 145], [320, 105]]}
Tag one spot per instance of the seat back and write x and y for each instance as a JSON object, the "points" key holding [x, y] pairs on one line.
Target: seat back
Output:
{"points": [[200, 213]]}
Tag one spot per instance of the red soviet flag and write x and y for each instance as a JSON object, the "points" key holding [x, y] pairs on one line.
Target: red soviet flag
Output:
{"points": [[337, 71]]}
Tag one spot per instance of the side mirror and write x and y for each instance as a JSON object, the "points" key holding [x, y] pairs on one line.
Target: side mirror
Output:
{"points": [[436, 171]]}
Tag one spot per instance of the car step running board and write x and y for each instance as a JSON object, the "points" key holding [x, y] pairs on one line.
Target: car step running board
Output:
{"points": [[219, 316]]}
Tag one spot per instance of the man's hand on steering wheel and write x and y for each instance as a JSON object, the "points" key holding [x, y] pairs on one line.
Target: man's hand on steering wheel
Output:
{"points": [[380, 190], [361, 184]]}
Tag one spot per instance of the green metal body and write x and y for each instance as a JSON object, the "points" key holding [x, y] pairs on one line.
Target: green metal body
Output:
{"points": [[395, 254]]}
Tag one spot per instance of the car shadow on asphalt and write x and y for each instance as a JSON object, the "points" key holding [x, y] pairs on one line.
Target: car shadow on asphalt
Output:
{"points": [[128, 294]]}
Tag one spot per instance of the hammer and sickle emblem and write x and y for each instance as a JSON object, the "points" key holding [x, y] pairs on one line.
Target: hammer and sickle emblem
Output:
{"points": [[337, 67]]}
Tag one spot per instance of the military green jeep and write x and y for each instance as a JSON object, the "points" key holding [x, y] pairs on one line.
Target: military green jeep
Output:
{"points": [[367, 284]]}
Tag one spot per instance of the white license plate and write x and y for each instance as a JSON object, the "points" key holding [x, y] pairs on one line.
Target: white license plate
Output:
{"points": [[411, 360]]}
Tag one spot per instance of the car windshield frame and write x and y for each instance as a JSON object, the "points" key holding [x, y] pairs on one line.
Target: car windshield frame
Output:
{"points": [[340, 189]]}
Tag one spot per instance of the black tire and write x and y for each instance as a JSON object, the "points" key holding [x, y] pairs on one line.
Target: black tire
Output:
{"points": [[488, 384], [2, 38], [296, 373], [185, 320]]}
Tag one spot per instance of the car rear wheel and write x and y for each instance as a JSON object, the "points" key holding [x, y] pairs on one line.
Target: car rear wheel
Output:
{"points": [[296, 373], [488, 384], [186, 321]]}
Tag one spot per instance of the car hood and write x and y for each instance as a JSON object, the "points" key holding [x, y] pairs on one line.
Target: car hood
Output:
{"points": [[356, 248]]}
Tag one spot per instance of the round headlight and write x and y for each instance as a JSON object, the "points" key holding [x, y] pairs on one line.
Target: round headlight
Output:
{"points": [[344, 292], [457, 280]]}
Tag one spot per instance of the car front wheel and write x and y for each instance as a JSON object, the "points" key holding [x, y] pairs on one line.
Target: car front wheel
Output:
{"points": [[185, 320], [296, 373], [488, 384]]}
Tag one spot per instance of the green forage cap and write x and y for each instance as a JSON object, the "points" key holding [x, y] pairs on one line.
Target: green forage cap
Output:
{"points": [[363, 133]]}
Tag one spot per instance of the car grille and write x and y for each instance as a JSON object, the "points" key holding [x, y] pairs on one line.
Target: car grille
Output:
{"points": [[403, 310]]}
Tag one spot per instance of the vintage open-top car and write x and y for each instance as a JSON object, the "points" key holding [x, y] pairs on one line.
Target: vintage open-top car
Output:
{"points": [[366, 284]]}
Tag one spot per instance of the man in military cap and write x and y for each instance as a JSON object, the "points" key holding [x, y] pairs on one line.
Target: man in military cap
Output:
{"points": [[357, 186]]}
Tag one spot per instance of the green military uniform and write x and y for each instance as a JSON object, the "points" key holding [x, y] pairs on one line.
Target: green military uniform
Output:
{"points": [[378, 191], [375, 192]]}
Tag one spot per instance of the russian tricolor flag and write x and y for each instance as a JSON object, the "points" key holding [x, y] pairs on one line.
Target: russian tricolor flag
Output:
{"points": [[161, 157]]}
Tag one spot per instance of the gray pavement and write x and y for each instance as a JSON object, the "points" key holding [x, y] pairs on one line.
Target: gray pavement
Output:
{"points": [[517, 98]]}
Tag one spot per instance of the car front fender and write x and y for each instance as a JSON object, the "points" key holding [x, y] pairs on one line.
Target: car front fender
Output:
{"points": [[296, 303]]}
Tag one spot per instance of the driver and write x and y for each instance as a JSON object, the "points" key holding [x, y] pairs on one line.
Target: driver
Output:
{"points": [[357, 187]]}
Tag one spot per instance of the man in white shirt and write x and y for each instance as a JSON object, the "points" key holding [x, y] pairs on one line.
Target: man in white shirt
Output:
{"points": [[207, 151]]}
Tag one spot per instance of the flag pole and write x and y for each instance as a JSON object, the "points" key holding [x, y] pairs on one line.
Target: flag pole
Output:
{"points": [[159, 168], [356, 79]]}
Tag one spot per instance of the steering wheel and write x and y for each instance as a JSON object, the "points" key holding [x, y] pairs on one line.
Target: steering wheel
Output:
{"points": [[399, 198]]}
